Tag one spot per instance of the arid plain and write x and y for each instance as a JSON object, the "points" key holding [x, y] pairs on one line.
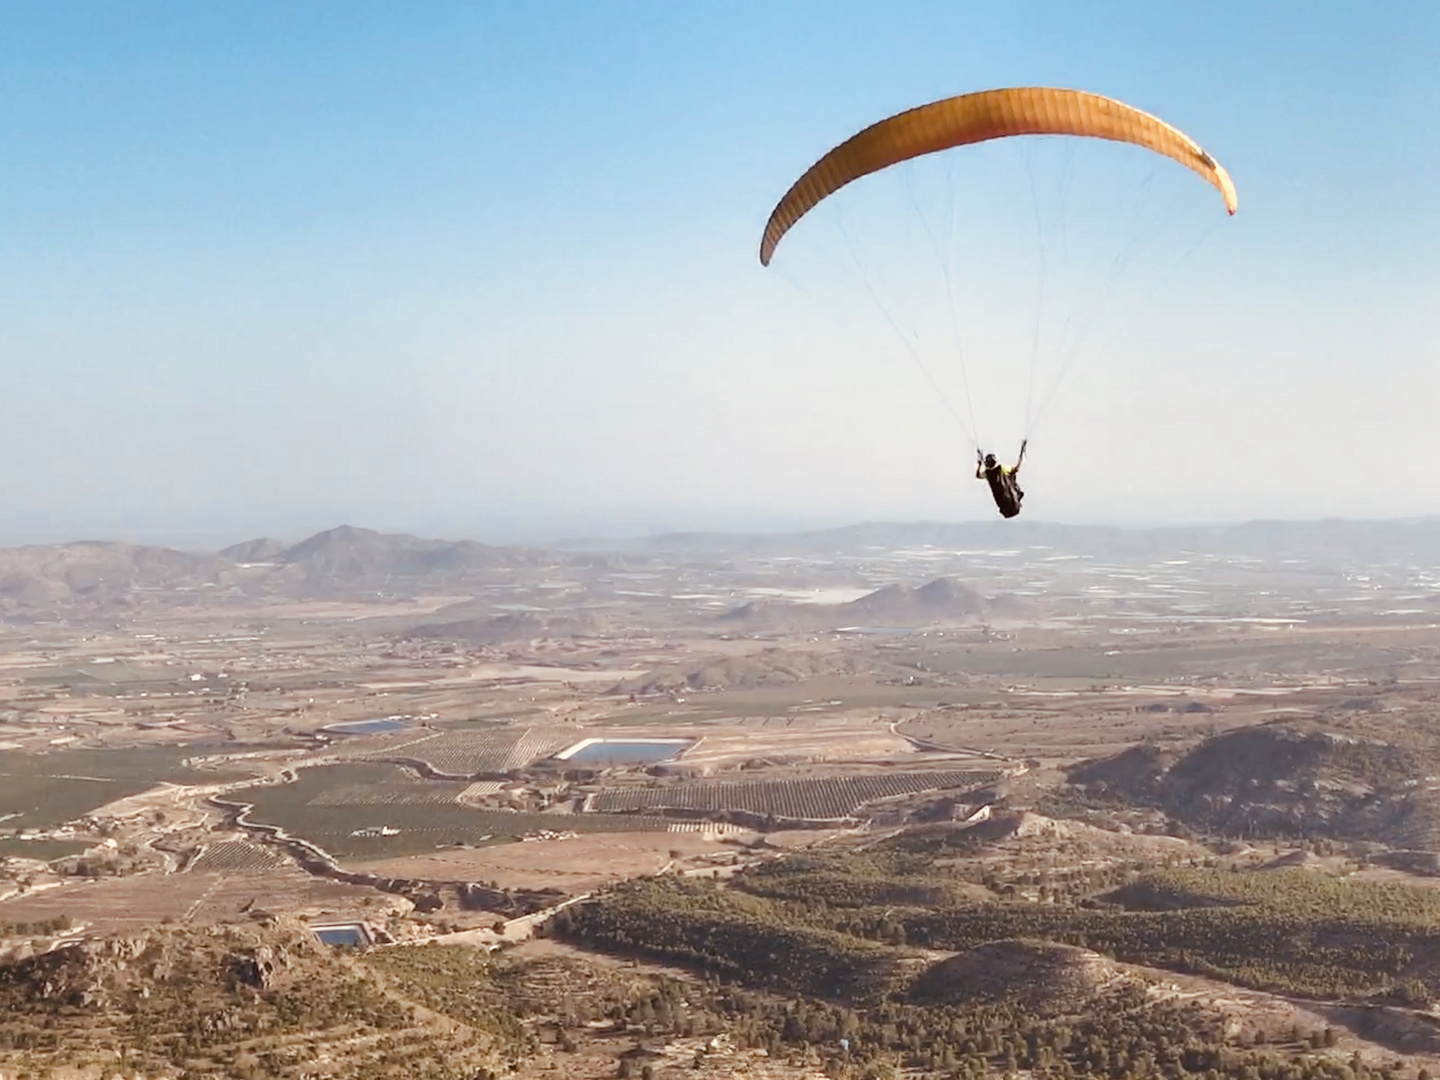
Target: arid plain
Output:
{"points": [[395, 741]]}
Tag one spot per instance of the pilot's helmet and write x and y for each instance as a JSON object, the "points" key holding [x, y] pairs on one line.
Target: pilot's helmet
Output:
{"points": [[989, 461]]}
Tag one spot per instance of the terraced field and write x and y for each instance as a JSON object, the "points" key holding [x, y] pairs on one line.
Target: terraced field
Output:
{"points": [[819, 799], [236, 857], [493, 751]]}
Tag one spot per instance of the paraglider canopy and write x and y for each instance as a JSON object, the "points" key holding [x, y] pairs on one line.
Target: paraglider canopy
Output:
{"points": [[978, 117]]}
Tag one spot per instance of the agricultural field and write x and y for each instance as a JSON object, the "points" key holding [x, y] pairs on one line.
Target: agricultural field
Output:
{"points": [[573, 865], [495, 750], [343, 809], [236, 857], [127, 904], [395, 788], [44, 790], [42, 849], [831, 798]]}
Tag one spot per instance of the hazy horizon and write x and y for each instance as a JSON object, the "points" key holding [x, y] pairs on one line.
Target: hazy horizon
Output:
{"points": [[491, 271], [558, 531]]}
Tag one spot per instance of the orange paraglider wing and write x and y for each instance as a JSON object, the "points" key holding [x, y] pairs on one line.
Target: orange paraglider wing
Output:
{"points": [[972, 118]]}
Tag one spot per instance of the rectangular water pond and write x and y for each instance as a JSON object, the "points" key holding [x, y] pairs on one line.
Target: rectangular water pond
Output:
{"points": [[343, 935], [606, 753]]}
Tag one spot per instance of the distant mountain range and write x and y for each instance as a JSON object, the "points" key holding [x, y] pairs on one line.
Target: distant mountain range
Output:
{"points": [[1334, 538], [348, 554], [46, 574], [340, 560], [348, 561]]}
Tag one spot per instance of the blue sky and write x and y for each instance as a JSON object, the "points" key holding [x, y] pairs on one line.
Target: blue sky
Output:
{"points": [[489, 269]]}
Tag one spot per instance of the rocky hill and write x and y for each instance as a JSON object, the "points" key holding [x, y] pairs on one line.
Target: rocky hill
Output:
{"points": [[941, 599], [349, 556], [1283, 780], [1046, 977], [340, 562], [238, 1000], [1134, 773], [263, 550], [939, 602], [96, 572]]}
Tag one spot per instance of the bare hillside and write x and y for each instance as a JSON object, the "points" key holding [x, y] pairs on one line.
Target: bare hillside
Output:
{"points": [[938, 602], [96, 572], [1283, 779]]}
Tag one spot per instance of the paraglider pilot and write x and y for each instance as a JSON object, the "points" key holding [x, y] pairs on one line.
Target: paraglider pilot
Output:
{"points": [[1003, 483]]}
